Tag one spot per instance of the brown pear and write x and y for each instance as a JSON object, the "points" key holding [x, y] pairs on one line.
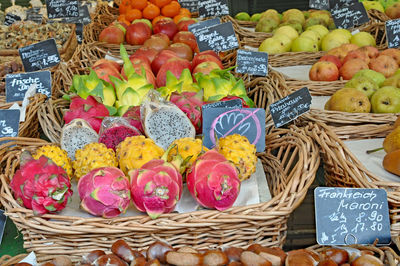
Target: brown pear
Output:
{"points": [[391, 162], [349, 100], [392, 141]]}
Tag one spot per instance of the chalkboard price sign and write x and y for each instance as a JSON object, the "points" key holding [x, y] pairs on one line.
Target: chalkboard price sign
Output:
{"points": [[9, 123], [249, 122], [347, 17], [347, 216], [253, 63], [290, 107], [193, 28], [79, 32], [319, 4], [213, 8], [84, 16], [192, 5], [218, 38], [235, 103], [11, 19], [62, 8], [18, 84], [40, 55], [393, 33]]}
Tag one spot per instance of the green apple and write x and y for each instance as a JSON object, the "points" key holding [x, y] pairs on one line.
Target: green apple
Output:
{"points": [[320, 29], [255, 17], [349, 100], [285, 41], [363, 39], [333, 40], [344, 32], [242, 16], [304, 44], [377, 77], [266, 25], [386, 100], [312, 35], [364, 84], [373, 5], [288, 31], [271, 46]]}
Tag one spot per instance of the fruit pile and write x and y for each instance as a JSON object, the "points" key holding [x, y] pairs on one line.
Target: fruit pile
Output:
{"points": [[153, 10], [391, 8]]}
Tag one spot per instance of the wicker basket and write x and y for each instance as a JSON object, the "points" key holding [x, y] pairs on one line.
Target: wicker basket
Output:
{"points": [[290, 163], [8, 260], [343, 169]]}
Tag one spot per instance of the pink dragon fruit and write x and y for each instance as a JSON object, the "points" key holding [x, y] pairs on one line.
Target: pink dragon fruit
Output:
{"points": [[213, 181], [157, 186], [104, 192], [133, 114], [115, 130], [190, 103], [41, 185], [90, 110]]}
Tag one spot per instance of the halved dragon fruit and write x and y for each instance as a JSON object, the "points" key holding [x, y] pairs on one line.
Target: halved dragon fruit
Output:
{"points": [[213, 181], [157, 186], [190, 103], [41, 185], [104, 192]]}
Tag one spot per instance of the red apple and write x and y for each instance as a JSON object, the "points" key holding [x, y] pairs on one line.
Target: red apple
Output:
{"points": [[210, 52], [393, 53], [360, 54], [188, 38], [200, 58], [175, 65], [136, 58], [333, 59], [371, 51], [184, 23], [324, 71], [161, 59], [161, 35], [166, 26], [112, 34], [342, 50], [138, 33], [150, 53], [157, 43], [384, 64], [205, 68], [182, 50], [351, 67], [106, 61], [105, 70]]}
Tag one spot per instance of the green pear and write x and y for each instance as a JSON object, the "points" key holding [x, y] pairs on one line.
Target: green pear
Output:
{"points": [[331, 24], [332, 40], [271, 46], [321, 15], [255, 17], [304, 44], [344, 32], [306, 14], [293, 15], [320, 29], [271, 14], [377, 77], [392, 81], [295, 25], [364, 84], [386, 100], [363, 39], [266, 25], [313, 21], [242, 16], [349, 100], [312, 35], [288, 31], [286, 42]]}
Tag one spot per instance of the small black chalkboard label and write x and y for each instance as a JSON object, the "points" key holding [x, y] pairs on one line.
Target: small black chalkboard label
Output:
{"points": [[3, 220], [290, 107], [79, 32], [193, 28], [347, 216], [62, 8], [11, 19], [218, 38], [9, 123], [347, 17], [339, 3], [393, 33], [213, 8], [252, 63], [235, 103], [248, 122], [192, 5], [319, 4], [18, 84], [84, 16], [40, 55]]}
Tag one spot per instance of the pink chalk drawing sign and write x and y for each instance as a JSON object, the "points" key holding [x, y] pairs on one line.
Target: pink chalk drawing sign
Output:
{"points": [[221, 122]]}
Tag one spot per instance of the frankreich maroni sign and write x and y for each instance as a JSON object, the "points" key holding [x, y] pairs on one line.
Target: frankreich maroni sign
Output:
{"points": [[347, 216]]}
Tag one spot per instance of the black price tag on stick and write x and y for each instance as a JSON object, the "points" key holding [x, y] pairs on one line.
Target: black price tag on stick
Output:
{"points": [[347, 216], [192, 5], [9, 123], [193, 28], [40, 55], [319, 4], [248, 122], [79, 32], [84, 17], [218, 38], [213, 8], [347, 17], [3, 220], [393, 33], [18, 84], [252, 63], [290, 107], [11, 19], [62, 8]]}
